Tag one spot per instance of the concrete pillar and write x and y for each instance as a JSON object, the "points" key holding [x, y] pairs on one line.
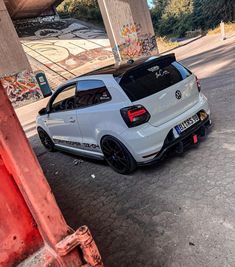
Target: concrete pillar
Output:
{"points": [[12, 57], [129, 27], [16, 74]]}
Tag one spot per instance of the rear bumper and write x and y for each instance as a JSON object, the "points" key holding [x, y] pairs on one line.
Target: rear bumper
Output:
{"points": [[145, 141], [181, 143]]}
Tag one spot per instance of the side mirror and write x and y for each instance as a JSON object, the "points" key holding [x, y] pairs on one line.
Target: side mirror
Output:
{"points": [[44, 111]]}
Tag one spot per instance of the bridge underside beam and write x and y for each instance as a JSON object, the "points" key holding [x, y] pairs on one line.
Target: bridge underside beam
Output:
{"points": [[28, 8]]}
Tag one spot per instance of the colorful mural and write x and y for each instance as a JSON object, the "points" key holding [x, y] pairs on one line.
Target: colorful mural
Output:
{"points": [[22, 88], [133, 43]]}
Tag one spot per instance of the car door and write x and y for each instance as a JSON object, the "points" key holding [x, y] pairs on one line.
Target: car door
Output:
{"points": [[91, 97], [62, 118]]}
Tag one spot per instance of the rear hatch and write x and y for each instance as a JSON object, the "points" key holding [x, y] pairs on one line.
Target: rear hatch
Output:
{"points": [[163, 86]]}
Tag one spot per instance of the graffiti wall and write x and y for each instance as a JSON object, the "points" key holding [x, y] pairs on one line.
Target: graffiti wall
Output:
{"points": [[129, 27], [134, 43], [22, 88]]}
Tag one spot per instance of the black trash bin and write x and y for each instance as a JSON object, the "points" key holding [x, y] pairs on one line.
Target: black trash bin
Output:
{"points": [[43, 84]]}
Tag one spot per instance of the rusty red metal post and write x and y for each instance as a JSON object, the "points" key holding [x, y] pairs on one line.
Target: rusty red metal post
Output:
{"points": [[29, 213], [84, 239], [23, 166]]}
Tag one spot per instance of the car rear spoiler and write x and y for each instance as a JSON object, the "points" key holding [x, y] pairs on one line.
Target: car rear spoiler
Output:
{"points": [[149, 62]]}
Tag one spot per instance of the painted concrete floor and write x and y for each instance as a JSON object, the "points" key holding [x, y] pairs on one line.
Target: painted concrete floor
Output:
{"points": [[180, 213], [71, 49]]}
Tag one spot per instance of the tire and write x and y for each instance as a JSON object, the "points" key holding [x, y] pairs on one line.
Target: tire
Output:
{"points": [[117, 155], [46, 140]]}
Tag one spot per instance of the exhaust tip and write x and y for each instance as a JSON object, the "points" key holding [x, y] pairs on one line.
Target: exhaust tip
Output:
{"points": [[179, 148]]}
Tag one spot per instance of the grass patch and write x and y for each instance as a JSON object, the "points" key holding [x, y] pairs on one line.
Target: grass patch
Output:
{"points": [[229, 27], [164, 44]]}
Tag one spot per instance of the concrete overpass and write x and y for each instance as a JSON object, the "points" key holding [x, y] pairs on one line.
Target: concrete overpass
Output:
{"points": [[30, 8]]}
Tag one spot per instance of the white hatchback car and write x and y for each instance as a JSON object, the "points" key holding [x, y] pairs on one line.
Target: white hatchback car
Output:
{"points": [[129, 115]]}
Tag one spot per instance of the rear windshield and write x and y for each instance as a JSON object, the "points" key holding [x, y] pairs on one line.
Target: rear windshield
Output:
{"points": [[152, 78]]}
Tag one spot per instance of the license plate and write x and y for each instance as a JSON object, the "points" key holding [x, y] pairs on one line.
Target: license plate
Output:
{"points": [[187, 124]]}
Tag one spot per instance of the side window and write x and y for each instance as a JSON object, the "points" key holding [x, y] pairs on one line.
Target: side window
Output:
{"points": [[65, 100], [91, 92]]}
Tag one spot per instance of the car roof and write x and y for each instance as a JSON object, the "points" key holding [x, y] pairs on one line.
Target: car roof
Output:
{"points": [[118, 70]]}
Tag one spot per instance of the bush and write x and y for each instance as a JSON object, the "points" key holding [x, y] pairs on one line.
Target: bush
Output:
{"points": [[81, 9], [64, 7]]}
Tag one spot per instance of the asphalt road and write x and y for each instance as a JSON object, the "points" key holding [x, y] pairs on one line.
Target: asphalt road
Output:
{"points": [[179, 213]]}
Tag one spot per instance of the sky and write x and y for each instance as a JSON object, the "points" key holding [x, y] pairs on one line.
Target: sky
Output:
{"points": [[150, 3]]}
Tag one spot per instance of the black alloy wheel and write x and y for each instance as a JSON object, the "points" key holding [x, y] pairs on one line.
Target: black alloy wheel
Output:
{"points": [[46, 140], [117, 155]]}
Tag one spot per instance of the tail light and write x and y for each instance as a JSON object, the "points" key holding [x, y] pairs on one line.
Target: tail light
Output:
{"points": [[198, 84], [135, 115]]}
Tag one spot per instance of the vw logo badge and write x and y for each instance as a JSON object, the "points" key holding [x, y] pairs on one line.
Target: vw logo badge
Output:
{"points": [[178, 94]]}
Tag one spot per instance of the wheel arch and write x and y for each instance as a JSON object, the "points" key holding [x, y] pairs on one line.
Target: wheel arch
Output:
{"points": [[44, 129], [123, 163], [41, 124], [118, 137]]}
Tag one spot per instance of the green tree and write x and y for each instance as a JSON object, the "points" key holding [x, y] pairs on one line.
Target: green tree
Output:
{"points": [[175, 16], [81, 9], [209, 13], [157, 12]]}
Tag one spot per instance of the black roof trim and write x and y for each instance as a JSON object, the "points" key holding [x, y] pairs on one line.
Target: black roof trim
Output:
{"points": [[121, 69]]}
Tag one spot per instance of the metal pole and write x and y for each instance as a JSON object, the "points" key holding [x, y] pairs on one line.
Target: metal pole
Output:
{"points": [[222, 31]]}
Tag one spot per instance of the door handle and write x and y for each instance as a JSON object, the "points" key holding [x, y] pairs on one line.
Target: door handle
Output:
{"points": [[72, 120]]}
